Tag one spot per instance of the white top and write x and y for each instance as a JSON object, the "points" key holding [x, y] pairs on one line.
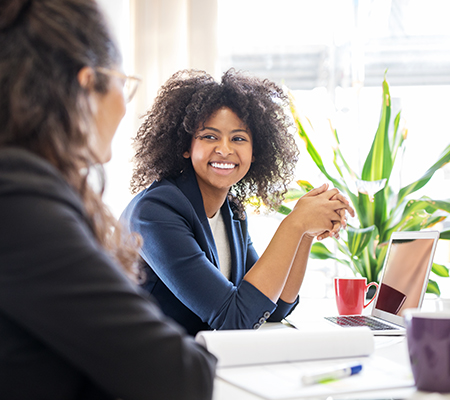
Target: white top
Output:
{"points": [[223, 246]]}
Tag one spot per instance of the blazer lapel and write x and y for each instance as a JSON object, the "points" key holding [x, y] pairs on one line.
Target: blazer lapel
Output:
{"points": [[187, 183], [236, 242]]}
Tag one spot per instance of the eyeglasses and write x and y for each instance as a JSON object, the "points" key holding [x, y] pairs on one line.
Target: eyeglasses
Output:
{"points": [[130, 82]]}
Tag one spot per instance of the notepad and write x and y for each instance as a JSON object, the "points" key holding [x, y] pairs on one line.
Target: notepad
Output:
{"points": [[249, 347], [271, 362], [284, 380]]}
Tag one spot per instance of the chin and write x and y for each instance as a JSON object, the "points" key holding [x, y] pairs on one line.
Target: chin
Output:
{"points": [[104, 156]]}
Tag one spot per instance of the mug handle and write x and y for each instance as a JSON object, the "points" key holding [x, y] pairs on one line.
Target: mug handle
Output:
{"points": [[375, 295]]}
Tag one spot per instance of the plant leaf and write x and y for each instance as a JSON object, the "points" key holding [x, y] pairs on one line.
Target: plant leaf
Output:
{"points": [[380, 258], [338, 154], [358, 239], [411, 188], [433, 287], [320, 252], [378, 164], [305, 185], [445, 235], [283, 209], [293, 194], [426, 204], [309, 146], [440, 270], [418, 215], [397, 139]]}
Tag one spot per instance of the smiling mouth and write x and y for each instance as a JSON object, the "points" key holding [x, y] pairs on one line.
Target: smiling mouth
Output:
{"points": [[223, 165]]}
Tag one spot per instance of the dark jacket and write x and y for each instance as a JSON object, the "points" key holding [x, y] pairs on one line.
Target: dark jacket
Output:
{"points": [[182, 266], [72, 326]]}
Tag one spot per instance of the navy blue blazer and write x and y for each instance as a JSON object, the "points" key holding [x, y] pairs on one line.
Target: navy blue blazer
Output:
{"points": [[182, 264]]}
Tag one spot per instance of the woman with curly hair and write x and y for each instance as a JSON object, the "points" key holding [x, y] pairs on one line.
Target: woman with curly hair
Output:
{"points": [[205, 148], [72, 323]]}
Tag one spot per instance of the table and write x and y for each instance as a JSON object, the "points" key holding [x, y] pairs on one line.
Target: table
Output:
{"points": [[393, 348]]}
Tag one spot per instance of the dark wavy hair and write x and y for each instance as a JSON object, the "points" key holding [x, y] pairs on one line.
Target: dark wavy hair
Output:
{"points": [[44, 109], [187, 100]]}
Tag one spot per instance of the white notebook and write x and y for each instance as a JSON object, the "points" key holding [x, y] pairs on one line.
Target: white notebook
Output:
{"points": [[271, 362]]}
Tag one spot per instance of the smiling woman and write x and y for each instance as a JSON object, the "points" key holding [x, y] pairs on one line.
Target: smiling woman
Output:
{"points": [[204, 148], [221, 154]]}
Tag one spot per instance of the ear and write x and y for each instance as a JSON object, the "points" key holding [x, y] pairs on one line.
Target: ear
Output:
{"points": [[253, 159], [186, 154], [86, 77]]}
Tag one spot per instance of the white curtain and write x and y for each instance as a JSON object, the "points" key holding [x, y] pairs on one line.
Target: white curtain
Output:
{"points": [[170, 35], [157, 38]]}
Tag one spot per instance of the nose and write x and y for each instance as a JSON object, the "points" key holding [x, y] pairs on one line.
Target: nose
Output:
{"points": [[224, 147]]}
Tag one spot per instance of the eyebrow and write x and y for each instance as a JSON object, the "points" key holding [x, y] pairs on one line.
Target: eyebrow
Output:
{"points": [[218, 131]]}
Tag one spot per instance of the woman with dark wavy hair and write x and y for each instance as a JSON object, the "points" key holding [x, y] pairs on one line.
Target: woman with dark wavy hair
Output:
{"points": [[204, 149], [73, 325]]}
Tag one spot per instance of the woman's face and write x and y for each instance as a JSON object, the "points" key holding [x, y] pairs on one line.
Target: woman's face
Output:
{"points": [[221, 152], [107, 108], [109, 112]]}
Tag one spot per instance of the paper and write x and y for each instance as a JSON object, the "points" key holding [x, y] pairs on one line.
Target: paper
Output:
{"points": [[270, 362], [283, 380], [265, 346]]}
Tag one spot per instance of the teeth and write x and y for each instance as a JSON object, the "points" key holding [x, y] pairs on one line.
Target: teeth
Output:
{"points": [[223, 166]]}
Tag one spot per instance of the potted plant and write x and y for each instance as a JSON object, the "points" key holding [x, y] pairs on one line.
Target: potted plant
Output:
{"points": [[380, 209]]}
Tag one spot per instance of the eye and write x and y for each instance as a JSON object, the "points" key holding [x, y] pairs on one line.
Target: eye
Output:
{"points": [[239, 139], [206, 136]]}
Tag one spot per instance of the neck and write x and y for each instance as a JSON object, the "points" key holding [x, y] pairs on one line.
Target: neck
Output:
{"points": [[212, 203]]}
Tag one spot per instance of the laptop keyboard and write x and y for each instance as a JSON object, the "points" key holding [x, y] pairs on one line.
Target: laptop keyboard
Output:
{"points": [[360, 320]]}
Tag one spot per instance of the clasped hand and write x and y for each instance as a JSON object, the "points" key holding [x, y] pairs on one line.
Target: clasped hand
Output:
{"points": [[323, 212]]}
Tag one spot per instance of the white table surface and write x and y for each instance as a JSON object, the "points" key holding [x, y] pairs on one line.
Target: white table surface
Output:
{"points": [[311, 311]]}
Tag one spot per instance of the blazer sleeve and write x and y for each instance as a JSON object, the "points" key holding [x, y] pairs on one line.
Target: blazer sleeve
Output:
{"points": [[63, 289], [171, 231]]}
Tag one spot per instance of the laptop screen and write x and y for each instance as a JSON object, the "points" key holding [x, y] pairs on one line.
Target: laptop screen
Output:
{"points": [[405, 277]]}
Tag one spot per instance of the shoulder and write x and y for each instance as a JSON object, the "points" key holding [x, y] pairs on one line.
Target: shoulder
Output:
{"points": [[26, 175], [159, 200]]}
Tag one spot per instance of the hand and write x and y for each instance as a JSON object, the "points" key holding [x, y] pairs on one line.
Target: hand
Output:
{"points": [[343, 219], [337, 226], [323, 212]]}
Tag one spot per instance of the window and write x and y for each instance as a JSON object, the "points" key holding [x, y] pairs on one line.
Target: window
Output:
{"points": [[333, 55]]}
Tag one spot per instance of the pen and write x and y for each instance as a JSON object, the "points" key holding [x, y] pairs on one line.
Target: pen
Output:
{"points": [[332, 374]]}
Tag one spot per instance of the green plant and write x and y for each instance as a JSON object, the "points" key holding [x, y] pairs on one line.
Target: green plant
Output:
{"points": [[380, 209]]}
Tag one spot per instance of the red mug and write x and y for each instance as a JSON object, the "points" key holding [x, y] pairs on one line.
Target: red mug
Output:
{"points": [[351, 293]]}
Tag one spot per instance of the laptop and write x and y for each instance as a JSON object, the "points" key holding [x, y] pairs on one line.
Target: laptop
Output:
{"points": [[402, 285]]}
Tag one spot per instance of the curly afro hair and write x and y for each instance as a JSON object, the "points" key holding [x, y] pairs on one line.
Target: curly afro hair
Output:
{"points": [[187, 100]]}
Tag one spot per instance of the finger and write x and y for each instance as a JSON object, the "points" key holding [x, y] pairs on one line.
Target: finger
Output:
{"points": [[331, 193], [318, 190], [350, 210], [336, 228], [339, 196], [342, 214], [338, 205], [348, 207], [323, 235]]}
